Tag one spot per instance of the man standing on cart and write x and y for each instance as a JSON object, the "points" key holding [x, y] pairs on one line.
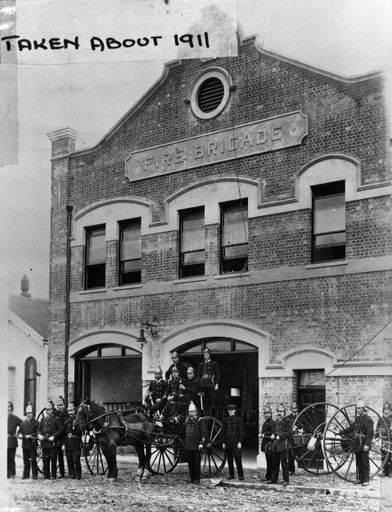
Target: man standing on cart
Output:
{"points": [[208, 374]]}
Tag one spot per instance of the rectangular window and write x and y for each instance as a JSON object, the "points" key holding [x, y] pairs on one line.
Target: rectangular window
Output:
{"points": [[329, 222], [234, 236], [130, 266], [95, 257], [192, 242]]}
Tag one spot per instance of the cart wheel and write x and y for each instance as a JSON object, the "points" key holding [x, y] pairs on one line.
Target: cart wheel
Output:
{"points": [[165, 454], [213, 457], [308, 430], [93, 455], [340, 450], [40, 462]]}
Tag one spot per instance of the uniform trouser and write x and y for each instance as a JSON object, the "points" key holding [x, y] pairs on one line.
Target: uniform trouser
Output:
{"points": [[11, 462], [236, 454], [194, 464], [30, 460], [269, 463], [158, 406], [387, 461], [60, 458], [73, 460], [363, 469], [49, 457], [280, 459], [208, 397], [291, 461]]}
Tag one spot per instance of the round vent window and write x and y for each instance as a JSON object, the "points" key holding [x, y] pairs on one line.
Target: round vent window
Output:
{"points": [[210, 93]]}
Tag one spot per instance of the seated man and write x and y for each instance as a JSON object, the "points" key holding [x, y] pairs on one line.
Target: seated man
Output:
{"points": [[173, 392], [155, 398], [191, 388], [181, 367]]}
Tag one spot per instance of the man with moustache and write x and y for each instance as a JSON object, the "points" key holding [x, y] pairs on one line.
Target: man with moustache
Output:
{"points": [[50, 430], [28, 432], [281, 444], [267, 430]]}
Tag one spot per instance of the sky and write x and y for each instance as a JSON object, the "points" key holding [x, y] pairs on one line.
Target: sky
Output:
{"points": [[346, 37]]}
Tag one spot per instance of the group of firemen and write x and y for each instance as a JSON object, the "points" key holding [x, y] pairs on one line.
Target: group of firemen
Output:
{"points": [[56, 432], [196, 390]]}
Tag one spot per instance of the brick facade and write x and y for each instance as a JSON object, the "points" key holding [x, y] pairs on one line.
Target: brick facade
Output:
{"points": [[331, 309]]}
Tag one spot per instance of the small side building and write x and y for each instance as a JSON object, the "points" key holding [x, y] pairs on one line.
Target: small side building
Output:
{"points": [[27, 350]]}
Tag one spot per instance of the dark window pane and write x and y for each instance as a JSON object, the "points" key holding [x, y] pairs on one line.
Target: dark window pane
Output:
{"points": [[192, 242], [95, 257], [95, 276], [329, 222], [234, 236], [130, 252]]}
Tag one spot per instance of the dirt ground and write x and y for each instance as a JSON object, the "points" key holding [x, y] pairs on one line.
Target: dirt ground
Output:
{"points": [[171, 493]]}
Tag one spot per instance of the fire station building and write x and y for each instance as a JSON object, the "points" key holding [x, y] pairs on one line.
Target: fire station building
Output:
{"points": [[242, 204]]}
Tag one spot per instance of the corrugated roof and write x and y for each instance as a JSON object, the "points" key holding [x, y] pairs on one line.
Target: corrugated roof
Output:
{"points": [[34, 312]]}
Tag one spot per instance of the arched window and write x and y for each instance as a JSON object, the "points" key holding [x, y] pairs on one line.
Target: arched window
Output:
{"points": [[30, 393]]}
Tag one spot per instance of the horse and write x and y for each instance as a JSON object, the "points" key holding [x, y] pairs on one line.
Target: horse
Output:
{"points": [[112, 429]]}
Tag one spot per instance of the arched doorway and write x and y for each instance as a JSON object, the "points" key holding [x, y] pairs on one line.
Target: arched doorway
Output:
{"points": [[109, 374], [239, 383]]}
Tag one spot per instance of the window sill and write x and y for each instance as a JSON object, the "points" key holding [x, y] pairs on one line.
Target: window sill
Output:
{"points": [[127, 287], [190, 279], [93, 290], [234, 274], [327, 264]]}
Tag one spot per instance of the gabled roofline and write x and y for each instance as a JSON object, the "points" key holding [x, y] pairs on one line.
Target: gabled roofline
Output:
{"points": [[243, 41], [26, 328]]}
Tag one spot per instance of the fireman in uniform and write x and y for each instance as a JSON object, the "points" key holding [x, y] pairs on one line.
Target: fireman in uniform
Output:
{"points": [[50, 430], [73, 440], [195, 435], [281, 444], [208, 374], [172, 395], [191, 388], [293, 414], [267, 430], [12, 442], [176, 362], [61, 413], [233, 437], [363, 430], [28, 432], [156, 392]]}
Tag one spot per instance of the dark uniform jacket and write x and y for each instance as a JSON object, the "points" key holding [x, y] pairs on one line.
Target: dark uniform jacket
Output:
{"points": [[50, 426], [29, 428], [267, 429], [173, 388], [283, 429], [192, 387], [182, 369], [232, 431], [195, 433], [157, 389], [13, 423], [208, 374], [63, 416], [363, 428], [72, 434]]}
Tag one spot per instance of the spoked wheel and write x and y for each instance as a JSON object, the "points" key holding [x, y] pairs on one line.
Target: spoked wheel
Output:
{"points": [[340, 450], [94, 457], [165, 454], [40, 462], [213, 457], [308, 431]]}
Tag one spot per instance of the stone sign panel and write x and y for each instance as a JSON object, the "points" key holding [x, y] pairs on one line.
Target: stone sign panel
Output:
{"points": [[237, 142]]}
